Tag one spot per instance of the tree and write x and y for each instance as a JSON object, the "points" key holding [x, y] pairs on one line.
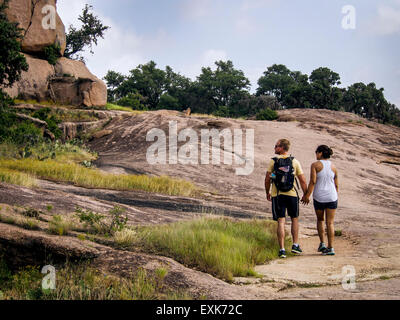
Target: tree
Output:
{"points": [[12, 61], [368, 101], [178, 87], [224, 86], [77, 40], [291, 88], [324, 93], [134, 100], [149, 81], [114, 81], [168, 102], [251, 105], [276, 81]]}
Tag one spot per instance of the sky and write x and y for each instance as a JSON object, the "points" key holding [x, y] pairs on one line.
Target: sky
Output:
{"points": [[362, 43]]}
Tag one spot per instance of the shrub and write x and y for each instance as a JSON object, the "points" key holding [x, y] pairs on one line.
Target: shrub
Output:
{"points": [[25, 134], [222, 111], [133, 100], [267, 114], [32, 213], [59, 226], [168, 102], [52, 53], [99, 223], [52, 122]]}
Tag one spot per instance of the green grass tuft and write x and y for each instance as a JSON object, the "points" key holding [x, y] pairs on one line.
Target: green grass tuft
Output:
{"points": [[15, 177], [93, 178], [219, 246], [115, 107]]}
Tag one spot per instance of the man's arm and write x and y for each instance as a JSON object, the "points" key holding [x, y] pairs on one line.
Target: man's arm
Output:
{"points": [[268, 185], [303, 183]]}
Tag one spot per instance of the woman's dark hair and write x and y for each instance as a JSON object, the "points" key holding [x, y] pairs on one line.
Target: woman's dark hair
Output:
{"points": [[326, 151]]}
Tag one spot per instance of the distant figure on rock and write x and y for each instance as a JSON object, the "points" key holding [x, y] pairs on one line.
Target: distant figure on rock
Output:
{"points": [[187, 112], [324, 185], [282, 171]]}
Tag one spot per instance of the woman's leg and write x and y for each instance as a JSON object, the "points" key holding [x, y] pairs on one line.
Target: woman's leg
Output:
{"points": [[320, 225], [330, 216]]}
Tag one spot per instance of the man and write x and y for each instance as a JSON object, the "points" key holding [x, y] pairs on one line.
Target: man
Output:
{"points": [[284, 195]]}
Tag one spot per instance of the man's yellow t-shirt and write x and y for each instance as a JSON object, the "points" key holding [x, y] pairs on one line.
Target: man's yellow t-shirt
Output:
{"points": [[297, 172]]}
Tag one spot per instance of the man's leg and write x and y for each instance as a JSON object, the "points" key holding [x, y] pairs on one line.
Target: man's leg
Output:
{"points": [[281, 232], [295, 230], [330, 216], [320, 225]]}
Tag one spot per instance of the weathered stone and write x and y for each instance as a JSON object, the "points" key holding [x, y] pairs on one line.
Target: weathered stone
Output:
{"points": [[34, 82], [61, 37], [87, 89], [101, 134], [28, 14], [69, 82], [19, 11], [37, 38]]}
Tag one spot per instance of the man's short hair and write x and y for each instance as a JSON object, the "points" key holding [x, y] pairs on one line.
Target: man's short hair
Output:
{"points": [[285, 144]]}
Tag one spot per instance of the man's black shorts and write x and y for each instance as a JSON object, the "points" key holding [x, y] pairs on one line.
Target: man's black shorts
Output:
{"points": [[282, 203], [325, 205]]}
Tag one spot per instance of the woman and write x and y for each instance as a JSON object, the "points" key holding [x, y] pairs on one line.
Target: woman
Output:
{"points": [[324, 183]]}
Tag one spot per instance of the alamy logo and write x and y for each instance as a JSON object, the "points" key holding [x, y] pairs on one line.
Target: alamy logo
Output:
{"points": [[349, 278], [349, 20], [49, 280], [49, 21], [232, 151]]}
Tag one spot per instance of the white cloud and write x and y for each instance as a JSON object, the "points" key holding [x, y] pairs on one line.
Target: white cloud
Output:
{"points": [[195, 9], [206, 59], [122, 49], [245, 26], [388, 21], [69, 11], [255, 4]]}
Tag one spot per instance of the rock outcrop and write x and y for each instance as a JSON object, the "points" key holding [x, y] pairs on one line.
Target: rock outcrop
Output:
{"points": [[68, 82], [31, 15], [35, 82], [74, 84]]}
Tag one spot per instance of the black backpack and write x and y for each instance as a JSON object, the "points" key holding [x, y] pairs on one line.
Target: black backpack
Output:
{"points": [[284, 174]]}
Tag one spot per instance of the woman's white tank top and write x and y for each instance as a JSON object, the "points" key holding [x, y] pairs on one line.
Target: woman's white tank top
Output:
{"points": [[325, 190]]}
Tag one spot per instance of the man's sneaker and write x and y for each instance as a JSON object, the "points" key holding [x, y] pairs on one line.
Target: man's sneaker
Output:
{"points": [[282, 254], [296, 249], [321, 247], [328, 252]]}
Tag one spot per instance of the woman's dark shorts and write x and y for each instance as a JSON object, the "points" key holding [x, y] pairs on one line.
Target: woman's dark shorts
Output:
{"points": [[282, 203], [325, 205]]}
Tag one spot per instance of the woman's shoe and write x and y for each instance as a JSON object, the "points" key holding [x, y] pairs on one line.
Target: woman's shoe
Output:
{"points": [[328, 252]]}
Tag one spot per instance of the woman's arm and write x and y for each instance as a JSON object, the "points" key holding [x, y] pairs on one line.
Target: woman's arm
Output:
{"points": [[313, 181], [336, 178]]}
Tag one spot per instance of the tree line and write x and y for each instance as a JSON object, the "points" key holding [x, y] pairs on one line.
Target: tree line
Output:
{"points": [[224, 91]]}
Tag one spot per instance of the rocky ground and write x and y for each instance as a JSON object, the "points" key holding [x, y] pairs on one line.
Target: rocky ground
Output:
{"points": [[367, 156]]}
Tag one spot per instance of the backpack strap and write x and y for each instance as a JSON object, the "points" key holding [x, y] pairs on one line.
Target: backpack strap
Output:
{"points": [[295, 179]]}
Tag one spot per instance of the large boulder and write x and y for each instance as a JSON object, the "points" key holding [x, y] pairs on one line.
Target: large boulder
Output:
{"points": [[29, 15], [20, 11], [35, 82], [68, 82], [74, 84]]}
